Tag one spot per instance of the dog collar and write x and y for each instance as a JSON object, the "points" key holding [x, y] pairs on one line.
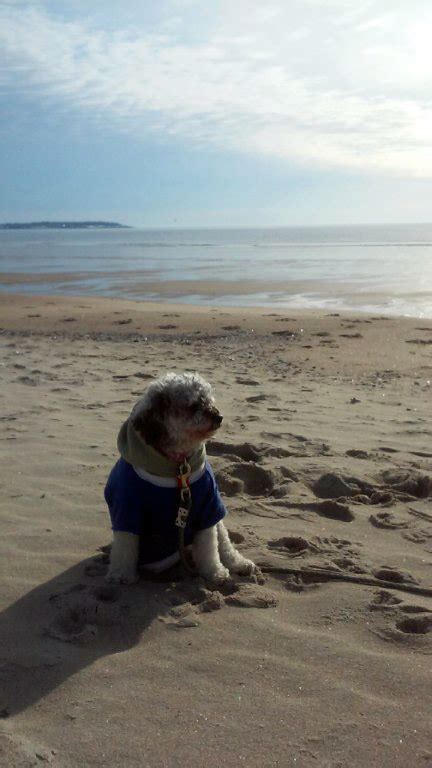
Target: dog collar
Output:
{"points": [[168, 482]]}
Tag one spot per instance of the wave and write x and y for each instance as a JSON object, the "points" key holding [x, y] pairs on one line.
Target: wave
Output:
{"points": [[347, 244], [278, 244], [181, 245]]}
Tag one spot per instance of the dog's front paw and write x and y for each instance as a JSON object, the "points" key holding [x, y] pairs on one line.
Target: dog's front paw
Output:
{"points": [[218, 575], [248, 568], [115, 576], [243, 567]]}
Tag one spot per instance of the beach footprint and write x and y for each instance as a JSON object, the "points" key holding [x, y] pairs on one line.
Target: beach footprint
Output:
{"points": [[246, 478], [383, 600], [399, 622], [388, 573], [302, 582], [328, 553], [388, 521], [415, 625], [81, 611], [334, 510], [293, 546]]}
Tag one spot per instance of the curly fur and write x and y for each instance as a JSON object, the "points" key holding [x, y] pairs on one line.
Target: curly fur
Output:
{"points": [[175, 415], [172, 409], [181, 391]]}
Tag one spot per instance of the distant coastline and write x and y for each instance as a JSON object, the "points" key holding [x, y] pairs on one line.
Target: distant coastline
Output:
{"points": [[64, 225]]}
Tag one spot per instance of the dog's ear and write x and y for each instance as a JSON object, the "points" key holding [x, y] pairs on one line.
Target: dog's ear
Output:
{"points": [[150, 423], [151, 428]]}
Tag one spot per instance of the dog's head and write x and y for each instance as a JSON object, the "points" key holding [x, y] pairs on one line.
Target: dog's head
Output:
{"points": [[177, 414]]}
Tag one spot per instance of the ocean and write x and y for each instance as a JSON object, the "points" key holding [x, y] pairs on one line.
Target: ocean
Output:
{"points": [[385, 269]]}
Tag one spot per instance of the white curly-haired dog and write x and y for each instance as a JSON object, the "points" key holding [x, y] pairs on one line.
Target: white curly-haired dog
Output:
{"points": [[169, 426]]}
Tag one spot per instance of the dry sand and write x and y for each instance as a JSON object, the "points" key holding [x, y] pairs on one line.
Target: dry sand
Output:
{"points": [[324, 459]]}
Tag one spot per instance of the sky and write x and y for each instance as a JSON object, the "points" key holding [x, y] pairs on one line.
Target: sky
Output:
{"points": [[181, 113]]}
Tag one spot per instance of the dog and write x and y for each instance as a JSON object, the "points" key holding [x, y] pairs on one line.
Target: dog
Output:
{"points": [[162, 447]]}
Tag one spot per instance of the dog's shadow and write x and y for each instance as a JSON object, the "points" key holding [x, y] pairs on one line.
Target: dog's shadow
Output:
{"points": [[66, 624]]}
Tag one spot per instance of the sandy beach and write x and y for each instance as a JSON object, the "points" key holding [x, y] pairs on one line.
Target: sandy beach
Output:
{"points": [[324, 460]]}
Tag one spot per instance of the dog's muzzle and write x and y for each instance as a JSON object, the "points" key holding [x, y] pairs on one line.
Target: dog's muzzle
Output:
{"points": [[216, 419]]}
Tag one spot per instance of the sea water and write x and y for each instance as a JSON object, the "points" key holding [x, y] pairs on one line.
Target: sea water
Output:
{"points": [[384, 269]]}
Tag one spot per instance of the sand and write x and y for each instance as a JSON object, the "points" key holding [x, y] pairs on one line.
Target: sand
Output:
{"points": [[324, 460]]}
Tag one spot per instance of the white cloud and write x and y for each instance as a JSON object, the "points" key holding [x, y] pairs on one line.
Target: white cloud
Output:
{"points": [[320, 84]]}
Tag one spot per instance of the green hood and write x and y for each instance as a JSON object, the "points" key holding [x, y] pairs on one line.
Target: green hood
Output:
{"points": [[134, 449]]}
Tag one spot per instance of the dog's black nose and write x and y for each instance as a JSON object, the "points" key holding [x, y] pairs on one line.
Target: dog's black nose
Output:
{"points": [[217, 419]]}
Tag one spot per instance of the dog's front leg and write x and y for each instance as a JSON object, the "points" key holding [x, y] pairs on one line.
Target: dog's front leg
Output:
{"points": [[206, 555], [229, 556], [123, 558]]}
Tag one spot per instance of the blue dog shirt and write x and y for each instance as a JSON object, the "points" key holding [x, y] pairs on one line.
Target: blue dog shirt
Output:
{"points": [[138, 506]]}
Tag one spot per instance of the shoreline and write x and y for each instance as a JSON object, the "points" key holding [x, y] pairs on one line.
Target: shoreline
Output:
{"points": [[306, 295], [11, 300]]}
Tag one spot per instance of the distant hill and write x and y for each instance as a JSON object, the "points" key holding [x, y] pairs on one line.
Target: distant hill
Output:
{"points": [[64, 225]]}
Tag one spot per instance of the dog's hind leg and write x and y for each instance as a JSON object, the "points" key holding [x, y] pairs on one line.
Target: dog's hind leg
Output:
{"points": [[206, 555], [123, 558], [233, 560]]}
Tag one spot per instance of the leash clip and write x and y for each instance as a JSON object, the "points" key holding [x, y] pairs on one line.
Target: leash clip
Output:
{"points": [[183, 477]]}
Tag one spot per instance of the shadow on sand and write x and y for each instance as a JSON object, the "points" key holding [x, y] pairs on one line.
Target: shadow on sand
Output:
{"points": [[64, 625]]}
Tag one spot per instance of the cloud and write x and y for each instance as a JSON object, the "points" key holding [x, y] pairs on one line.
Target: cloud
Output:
{"points": [[319, 84]]}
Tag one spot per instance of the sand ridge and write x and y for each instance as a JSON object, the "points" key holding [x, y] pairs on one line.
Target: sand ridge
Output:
{"points": [[324, 461]]}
